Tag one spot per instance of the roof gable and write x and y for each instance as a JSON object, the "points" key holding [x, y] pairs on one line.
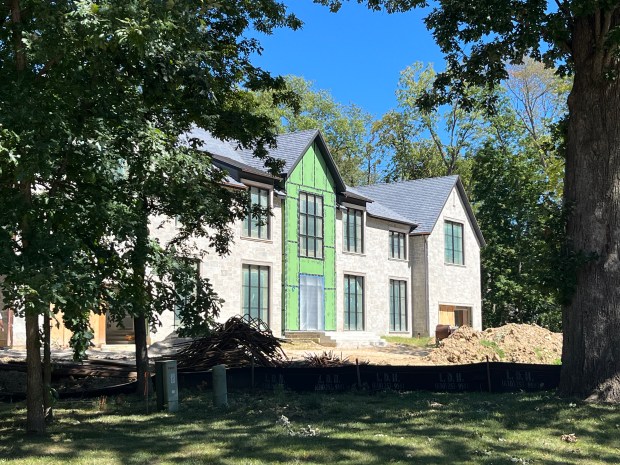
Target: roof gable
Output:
{"points": [[291, 148], [421, 201]]}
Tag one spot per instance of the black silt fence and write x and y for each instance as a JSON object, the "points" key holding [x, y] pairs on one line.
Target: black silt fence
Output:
{"points": [[493, 377]]}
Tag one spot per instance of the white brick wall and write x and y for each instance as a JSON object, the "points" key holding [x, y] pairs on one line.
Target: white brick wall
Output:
{"points": [[225, 273], [446, 284], [454, 284], [377, 268], [419, 288]]}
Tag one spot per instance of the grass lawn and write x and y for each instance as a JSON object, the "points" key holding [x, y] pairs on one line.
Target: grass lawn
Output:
{"points": [[410, 341], [354, 428]]}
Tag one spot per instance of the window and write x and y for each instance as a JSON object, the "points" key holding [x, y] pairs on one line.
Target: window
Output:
{"points": [[310, 225], [398, 248], [353, 303], [454, 243], [256, 291], [354, 231], [398, 305], [185, 290], [257, 227]]}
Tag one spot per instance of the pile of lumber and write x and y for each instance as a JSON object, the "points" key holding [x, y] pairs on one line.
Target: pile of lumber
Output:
{"points": [[239, 342]]}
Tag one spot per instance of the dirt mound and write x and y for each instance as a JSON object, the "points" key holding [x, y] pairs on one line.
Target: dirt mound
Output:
{"points": [[510, 343]]}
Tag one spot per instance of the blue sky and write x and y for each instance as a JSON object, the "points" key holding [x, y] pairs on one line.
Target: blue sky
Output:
{"points": [[356, 54]]}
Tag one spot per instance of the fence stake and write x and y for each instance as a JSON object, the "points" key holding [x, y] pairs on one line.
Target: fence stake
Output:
{"points": [[252, 376], [146, 389], [489, 373], [359, 377]]}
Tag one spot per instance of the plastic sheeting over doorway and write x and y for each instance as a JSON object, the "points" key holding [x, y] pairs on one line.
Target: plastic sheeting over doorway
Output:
{"points": [[311, 303]]}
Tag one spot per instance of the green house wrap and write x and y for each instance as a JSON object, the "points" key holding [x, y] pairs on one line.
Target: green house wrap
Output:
{"points": [[309, 245]]}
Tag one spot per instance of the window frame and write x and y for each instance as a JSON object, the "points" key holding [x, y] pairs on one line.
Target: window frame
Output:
{"points": [[346, 246], [250, 228], [360, 307], [403, 313], [451, 260], [262, 312], [399, 235], [305, 237], [176, 321]]}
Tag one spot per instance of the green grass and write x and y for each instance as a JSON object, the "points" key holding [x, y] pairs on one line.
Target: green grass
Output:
{"points": [[493, 345], [410, 341], [353, 428]]}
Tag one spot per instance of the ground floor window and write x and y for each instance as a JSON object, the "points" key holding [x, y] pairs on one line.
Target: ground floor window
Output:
{"points": [[455, 315], [256, 292], [184, 293], [353, 303], [398, 305]]}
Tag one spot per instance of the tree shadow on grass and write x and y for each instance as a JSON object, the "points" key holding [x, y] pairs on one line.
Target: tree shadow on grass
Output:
{"points": [[352, 429]]}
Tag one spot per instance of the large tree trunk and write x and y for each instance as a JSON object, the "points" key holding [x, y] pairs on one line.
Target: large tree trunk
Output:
{"points": [[591, 322], [142, 356], [47, 368], [141, 300], [35, 419]]}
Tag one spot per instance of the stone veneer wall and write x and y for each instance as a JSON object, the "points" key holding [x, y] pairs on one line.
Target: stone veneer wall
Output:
{"points": [[454, 284], [418, 255], [225, 272], [377, 269]]}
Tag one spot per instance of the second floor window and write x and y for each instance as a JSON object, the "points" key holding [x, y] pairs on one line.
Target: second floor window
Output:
{"points": [[398, 245], [310, 225], [257, 227], [354, 231], [454, 243]]}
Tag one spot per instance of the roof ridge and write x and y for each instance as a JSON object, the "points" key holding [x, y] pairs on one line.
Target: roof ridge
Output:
{"points": [[406, 181], [297, 132]]}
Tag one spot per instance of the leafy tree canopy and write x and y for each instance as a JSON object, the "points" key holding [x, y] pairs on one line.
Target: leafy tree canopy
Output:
{"points": [[94, 97]]}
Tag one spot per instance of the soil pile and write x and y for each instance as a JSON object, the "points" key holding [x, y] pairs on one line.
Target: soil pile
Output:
{"points": [[510, 343]]}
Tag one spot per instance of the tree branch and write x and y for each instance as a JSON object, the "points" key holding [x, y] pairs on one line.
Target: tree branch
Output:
{"points": [[563, 7], [46, 67]]}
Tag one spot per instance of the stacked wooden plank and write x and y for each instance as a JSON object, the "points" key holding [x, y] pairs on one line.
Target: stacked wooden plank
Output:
{"points": [[239, 342]]}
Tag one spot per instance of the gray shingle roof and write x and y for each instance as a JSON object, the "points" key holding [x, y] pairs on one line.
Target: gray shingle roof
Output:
{"points": [[379, 210], [290, 148], [420, 201], [214, 146], [226, 152]]}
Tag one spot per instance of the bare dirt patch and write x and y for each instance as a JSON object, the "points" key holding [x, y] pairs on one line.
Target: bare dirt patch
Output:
{"points": [[510, 343], [392, 354]]}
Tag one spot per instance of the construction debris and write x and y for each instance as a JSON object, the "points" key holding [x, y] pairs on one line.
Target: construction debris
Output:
{"points": [[328, 359], [238, 342], [569, 437]]}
